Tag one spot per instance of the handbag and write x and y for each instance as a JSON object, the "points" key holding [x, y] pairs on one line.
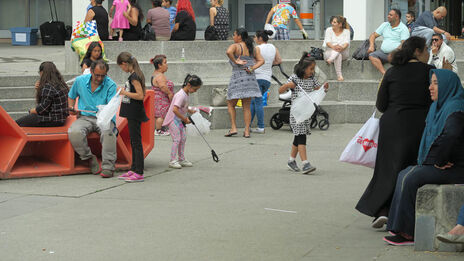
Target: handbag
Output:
{"points": [[148, 34], [219, 97], [317, 53], [211, 33], [362, 149]]}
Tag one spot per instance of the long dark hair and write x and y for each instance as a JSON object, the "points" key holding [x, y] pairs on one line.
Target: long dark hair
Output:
{"points": [[92, 46], [126, 57], [305, 61], [135, 3], [264, 34], [243, 33], [406, 53], [52, 77]]}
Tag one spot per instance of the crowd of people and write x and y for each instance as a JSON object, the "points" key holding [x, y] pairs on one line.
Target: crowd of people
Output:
{"points": [[421, 91]]}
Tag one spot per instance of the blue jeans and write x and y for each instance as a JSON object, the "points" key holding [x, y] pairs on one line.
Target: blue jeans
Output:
{"points": [[461, 216], [256, 106]]}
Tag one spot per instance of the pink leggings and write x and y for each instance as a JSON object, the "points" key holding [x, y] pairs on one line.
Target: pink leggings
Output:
{"points": [[177, 130], [336, 58]]}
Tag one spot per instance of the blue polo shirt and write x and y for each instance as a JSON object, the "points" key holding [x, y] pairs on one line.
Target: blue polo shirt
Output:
{"points": [[392, 37], [89, 100]]}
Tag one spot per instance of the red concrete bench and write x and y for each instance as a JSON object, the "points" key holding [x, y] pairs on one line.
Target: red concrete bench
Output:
{"points": [[39, 152]]}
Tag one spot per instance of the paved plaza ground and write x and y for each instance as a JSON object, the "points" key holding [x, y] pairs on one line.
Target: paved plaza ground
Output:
{"points": [[246, 207], [213, 211]]}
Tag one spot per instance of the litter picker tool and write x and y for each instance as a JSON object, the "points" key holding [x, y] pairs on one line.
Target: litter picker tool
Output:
{"points": [[213, 153]]}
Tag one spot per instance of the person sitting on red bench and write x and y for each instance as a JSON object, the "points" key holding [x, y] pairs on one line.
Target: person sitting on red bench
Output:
{"points": [[51, 97]]}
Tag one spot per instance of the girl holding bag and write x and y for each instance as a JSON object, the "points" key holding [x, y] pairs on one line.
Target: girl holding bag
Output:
{"points": [[132, 109], [303, 76], [404, 100]]}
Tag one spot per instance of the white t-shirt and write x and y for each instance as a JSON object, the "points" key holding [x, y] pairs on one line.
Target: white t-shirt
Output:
{"points": [[446, 52], [268, 52], [330, 37]]}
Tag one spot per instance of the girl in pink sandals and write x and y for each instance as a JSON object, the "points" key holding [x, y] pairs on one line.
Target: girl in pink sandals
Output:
{"points": [[119, 20]]}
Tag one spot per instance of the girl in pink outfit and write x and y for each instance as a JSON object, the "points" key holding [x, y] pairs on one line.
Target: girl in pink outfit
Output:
{"points": [[119, 20], [176, 118]]}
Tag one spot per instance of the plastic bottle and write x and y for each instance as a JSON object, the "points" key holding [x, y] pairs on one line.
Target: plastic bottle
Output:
{"points": [[182, 57]]}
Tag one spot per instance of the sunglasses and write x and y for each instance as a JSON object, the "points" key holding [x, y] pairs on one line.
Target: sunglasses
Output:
{"points": [[100, 75], [435, 39]]}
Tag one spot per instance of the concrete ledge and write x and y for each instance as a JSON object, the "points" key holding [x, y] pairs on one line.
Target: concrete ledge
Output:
{"points": [[437, 208]]}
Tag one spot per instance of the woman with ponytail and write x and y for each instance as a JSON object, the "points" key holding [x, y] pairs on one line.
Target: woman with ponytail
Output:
{"points": [[243, 84], [164, 91], [404, 100], [132, 109], [337, 43]]}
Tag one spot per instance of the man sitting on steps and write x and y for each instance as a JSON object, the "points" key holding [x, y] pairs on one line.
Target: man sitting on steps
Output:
{"points": [[427, 25], [394, 33], [92, 90]]}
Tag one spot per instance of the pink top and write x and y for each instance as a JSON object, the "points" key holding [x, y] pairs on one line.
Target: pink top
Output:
{"points": [[119, 21], [181, 100]]}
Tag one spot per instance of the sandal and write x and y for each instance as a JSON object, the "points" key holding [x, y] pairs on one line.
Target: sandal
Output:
{"points": [[246, 136], [230, 134]]}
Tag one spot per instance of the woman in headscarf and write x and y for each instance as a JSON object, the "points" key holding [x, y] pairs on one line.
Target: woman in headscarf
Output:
{"points": [[441, 154]]}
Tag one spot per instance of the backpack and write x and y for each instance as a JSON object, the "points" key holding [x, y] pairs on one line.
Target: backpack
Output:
{"points": [[361, 53], [317, 53], [211, 33], [148, 34]]}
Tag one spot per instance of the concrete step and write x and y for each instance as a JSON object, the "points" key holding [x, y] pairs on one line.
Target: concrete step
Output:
{"points": [[339, 112], [18, 105], [25, 80], [17, 92]]}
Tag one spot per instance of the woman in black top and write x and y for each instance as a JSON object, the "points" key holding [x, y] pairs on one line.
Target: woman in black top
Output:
{"points": [[441, 155], [219, 18], [184, 27], [51, 97], [135, 16], [94, 53], [132, 109], [100, 15], [404, 100]]}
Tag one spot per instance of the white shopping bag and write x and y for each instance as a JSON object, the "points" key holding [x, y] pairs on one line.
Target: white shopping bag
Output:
{"points": [[201, 123], [303, 106], [362, 149], [270, 28], [107, 112]]}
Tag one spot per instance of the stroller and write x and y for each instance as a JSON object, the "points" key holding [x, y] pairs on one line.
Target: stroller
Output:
{"points": [[319, 118]]}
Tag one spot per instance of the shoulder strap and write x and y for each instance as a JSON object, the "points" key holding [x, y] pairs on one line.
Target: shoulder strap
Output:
{"points": [[241, 49]]}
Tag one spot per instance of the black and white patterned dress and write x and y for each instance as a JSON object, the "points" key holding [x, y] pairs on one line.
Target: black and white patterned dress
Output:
{"points": [[242, 84], [303, 128], [221, 22]]}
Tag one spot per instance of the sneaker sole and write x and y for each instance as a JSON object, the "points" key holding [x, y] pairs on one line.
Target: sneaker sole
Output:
{"points": [[172, 167], [123, 178], [187, 166], [379, 222], [132, 181], [407, 243], [290, 168], [309, 171]]}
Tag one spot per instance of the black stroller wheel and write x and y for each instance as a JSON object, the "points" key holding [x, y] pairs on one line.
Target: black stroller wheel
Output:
{"points": [[276, 123], [324, 124], [313, 123]]}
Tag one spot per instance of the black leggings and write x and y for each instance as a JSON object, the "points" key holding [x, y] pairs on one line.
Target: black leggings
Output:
{"points": [[136, 144], [32, 120], [299, 140]]}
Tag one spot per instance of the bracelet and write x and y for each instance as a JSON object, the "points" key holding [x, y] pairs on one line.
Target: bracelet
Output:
{"points": [[250, 68]]}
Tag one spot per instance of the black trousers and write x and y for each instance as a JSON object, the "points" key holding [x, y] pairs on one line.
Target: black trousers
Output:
{"points": [[32, 120], [136, 144]]}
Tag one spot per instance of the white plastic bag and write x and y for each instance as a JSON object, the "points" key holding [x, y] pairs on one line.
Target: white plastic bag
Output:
{"points": [[107, 112], [302, 108], [318, 95], [270, 28], [362, 149], [201, 123]]}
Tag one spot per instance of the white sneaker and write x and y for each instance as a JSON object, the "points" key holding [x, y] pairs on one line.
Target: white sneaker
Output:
{"points": [[175, 164], [258, 130], [186, 163]]}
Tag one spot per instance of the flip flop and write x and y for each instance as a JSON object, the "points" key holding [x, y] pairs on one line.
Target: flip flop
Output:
{"points": [[230, 134]]}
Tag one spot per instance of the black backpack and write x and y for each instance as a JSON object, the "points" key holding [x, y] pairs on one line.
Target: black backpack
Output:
{"points": [[361, 52], [317, 53], [211, 33], [148, 34]]}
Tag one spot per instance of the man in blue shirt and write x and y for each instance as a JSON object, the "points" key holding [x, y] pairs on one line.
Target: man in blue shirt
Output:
{"points": [[427, 25], [394, 33], [92, 90], [167, 4]]}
